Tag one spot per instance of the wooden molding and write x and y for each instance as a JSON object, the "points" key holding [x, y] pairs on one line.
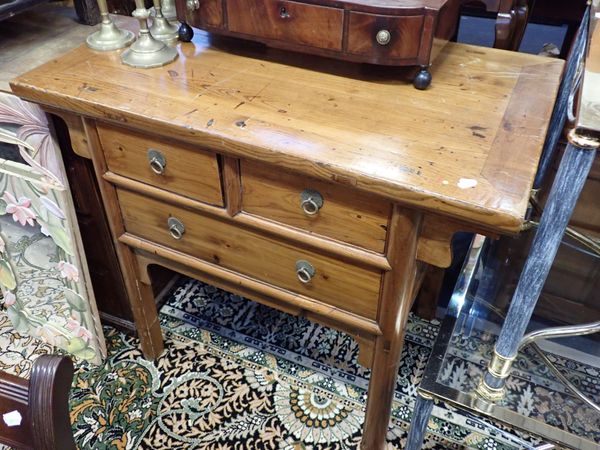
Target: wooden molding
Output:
{"points": [[74, 123]]}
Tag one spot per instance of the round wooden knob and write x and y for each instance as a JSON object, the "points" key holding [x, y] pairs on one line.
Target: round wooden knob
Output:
{"points": [[383, 37]]}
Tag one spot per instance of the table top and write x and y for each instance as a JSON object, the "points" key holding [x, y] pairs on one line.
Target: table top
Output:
{"points": [[468, 147]]}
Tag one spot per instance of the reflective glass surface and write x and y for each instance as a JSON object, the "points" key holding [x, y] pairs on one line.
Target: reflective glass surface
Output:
{"points": [[536, 399]]}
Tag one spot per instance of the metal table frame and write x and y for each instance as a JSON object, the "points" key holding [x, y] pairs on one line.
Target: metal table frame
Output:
{"points": [[584, 140]]}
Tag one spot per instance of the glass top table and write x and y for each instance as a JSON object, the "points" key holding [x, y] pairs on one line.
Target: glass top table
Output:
{"points": [[537, 399]]}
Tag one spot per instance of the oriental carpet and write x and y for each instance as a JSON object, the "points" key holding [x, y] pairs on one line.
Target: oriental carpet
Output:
{"points": [[239, 375]]}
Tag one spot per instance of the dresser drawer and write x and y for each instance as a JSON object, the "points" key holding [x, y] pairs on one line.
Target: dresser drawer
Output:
{"points": [[348, 216], [297, 23], [172, 166], [334, 282], [384, 37]]}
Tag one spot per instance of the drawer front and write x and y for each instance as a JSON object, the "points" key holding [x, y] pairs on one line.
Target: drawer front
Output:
{"points": [[209, 13], [345, 215], [334, 282], [293, 22], [384, 37], [171, 166]]}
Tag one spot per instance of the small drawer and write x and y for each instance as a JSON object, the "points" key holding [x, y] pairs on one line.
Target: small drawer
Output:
{"points": [[283, 265], [204, 13], [292, 22], [172, 166], [315, 206], [384, 37]]}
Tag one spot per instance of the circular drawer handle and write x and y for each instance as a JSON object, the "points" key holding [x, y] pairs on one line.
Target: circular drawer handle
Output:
{"points": [[311, 201], [176, 228], [305, 271], [284, 13], [383, 37], [157, 161]]}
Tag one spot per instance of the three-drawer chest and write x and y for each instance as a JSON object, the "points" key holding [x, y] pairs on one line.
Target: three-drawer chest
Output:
{"points": [[307, 185]]}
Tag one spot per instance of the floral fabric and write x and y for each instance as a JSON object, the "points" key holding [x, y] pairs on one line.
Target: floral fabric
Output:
{"points": [[46, 290]]}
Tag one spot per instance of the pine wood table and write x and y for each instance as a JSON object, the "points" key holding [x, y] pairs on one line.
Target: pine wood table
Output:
{"points": [[321, 188]]}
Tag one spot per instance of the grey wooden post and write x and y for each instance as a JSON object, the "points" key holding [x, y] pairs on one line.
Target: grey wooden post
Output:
{"points": [[418, 423], [569, 181], [567, 87]]}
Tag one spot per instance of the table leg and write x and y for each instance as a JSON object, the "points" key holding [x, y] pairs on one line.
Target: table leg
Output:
{"points": [[569, 181], [140, 294], [418, 424], [398, 290]]}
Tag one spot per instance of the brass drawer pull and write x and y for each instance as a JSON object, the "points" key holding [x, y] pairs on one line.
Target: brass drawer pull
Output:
{"points": [[311, 201], [157, 161], [383, 37], [176, 228], [305, 271]]}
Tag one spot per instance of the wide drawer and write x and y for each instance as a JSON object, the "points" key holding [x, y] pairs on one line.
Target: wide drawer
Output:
{"points": [[172, 166], [315, 206], [334, 282], [384, 37], [292, 22]]}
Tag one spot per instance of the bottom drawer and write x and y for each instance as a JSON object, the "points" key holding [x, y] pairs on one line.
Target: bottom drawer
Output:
{"points": [[286, 266]]}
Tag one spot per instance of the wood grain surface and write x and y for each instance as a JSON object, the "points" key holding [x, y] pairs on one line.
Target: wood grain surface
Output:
{"points": [[349, 216], [339, 284], [293, 22], [189, 171], [484, 119], [405, 32]]}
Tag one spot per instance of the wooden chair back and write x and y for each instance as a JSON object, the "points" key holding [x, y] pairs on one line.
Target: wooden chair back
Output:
{"points": [[34, 413]]}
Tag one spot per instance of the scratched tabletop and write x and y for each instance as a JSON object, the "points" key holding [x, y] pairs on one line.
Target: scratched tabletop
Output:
{"points": [[468, 147]]}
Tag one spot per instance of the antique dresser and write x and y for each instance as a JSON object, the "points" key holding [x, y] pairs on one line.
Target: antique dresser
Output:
{"points": [[305, 184], [388, 32]]}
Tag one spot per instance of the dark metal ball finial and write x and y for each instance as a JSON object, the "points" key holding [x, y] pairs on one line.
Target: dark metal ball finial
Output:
{"points": [[423, 79], [185, 33]]}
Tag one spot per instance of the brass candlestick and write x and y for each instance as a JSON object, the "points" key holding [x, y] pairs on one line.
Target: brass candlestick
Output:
{"points": [[161, 29], [147, 52], [108, 37], [169, 11]]}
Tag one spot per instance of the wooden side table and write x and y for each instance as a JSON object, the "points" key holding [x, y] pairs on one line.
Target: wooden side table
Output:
{"points": [[306, 184]]}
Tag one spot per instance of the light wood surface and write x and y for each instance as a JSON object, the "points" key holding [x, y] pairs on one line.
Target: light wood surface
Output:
{"points": [[484, 118], [342, 285], [341, 251], [149, 253], [349, 216], [188, 170], [397, 299]]}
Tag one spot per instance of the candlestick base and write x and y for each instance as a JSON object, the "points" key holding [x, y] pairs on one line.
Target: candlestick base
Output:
{"points": [[162, 30], [147, 52], [109, 37]]}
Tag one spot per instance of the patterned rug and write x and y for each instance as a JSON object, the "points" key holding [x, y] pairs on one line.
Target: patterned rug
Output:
{"points": [[238, 375]]}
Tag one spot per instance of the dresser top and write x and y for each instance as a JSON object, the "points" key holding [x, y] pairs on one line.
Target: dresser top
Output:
{"points": [[467, 147]]}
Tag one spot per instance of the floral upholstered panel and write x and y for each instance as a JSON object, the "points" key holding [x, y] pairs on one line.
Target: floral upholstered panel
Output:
{"points": [[43, 274]]}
